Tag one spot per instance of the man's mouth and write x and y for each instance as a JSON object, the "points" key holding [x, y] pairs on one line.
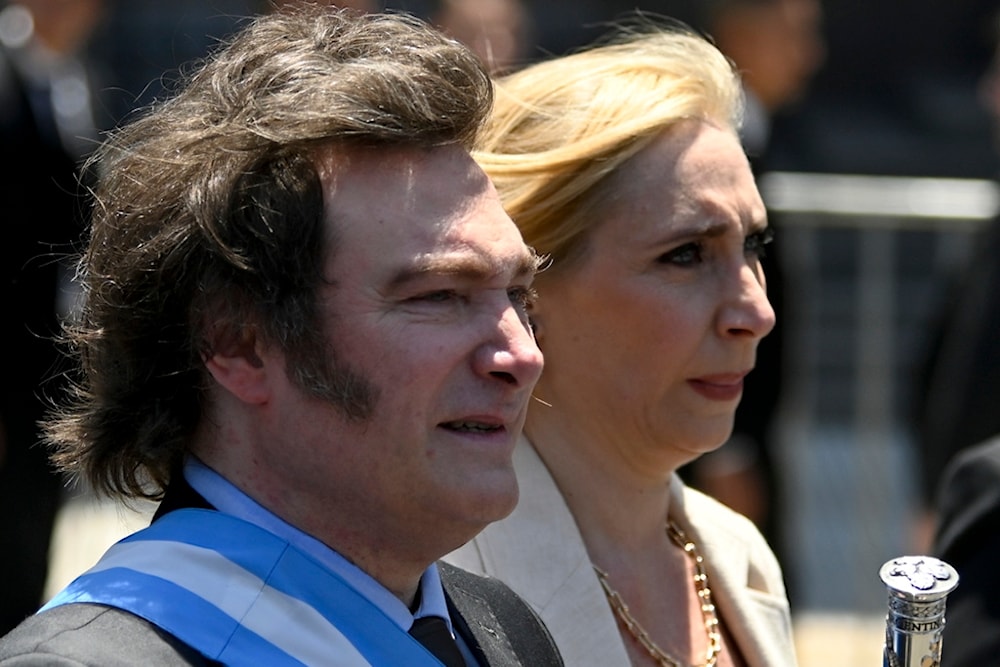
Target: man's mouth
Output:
{"points": [[472, 427]]}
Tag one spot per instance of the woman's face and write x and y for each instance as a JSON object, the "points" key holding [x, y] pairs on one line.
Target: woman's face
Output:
{"points": [[648, 335]]}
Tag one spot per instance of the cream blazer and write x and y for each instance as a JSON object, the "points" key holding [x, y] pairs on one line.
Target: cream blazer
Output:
{"points": [[539, 552]]}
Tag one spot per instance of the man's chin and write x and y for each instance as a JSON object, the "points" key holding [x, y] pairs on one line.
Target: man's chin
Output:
{"points": [[491, 504]]}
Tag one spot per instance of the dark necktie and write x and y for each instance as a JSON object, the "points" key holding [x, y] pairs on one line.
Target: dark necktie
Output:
{"points": [[432, 632]]}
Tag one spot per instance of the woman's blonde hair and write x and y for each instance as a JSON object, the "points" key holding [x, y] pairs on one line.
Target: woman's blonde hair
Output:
{"points": [[560, 127]]}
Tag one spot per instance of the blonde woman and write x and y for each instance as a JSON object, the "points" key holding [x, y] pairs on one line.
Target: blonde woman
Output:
{"points": [[622, 163]]}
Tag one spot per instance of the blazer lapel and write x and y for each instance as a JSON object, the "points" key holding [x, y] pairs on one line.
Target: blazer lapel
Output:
{"points": [[497, 625], [472, 618], [555, 575], [748, 602]]}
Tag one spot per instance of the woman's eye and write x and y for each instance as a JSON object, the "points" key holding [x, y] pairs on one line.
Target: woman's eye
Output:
{"points": [[757, 242], [685, 255], [522, 297]]}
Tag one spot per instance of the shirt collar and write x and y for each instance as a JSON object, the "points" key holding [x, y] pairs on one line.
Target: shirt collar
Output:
{"points": [[226, 497]]}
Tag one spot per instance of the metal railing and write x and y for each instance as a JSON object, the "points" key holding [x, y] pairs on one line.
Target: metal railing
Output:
{"points": [[867, 260]]}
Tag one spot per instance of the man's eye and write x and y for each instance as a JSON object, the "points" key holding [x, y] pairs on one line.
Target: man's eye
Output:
{"points": [[757, 242], [688, 254], [437, 296]]}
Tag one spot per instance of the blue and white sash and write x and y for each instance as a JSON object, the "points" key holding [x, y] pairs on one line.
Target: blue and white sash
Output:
{"points": [[243, 596]]}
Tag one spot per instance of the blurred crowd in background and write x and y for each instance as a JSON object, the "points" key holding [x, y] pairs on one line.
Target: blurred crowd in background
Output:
{"points": [[896, 93], [889, 88]]}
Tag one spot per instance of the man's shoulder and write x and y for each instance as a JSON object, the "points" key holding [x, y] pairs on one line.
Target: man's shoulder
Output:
{"points": [[983, 458], [969, 502], [90, 634], [506, 630]]}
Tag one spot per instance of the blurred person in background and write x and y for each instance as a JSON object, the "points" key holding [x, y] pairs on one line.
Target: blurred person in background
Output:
{"points": [[48, 123], [498, 31], [777, 46], [957, 407], [959, 434], [622, 163], [356, 5], [968, 538]]}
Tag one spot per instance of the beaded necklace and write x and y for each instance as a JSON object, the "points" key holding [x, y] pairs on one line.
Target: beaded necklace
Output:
{"points": [[704, 595]]}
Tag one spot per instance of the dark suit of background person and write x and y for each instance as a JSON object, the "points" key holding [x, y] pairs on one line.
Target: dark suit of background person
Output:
{"points": [[959, 387], [968, 537], [959, 407], [39, 213]]}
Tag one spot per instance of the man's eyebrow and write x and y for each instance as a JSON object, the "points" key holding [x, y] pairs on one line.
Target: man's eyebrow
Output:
{"points": [[470, 267]]}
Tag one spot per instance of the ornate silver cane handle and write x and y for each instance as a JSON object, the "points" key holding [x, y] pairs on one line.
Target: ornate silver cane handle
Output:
{"points": [[918, 587]]}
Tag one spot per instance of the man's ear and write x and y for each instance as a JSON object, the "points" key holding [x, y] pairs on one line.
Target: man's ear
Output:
{"points": [[236, 363]]}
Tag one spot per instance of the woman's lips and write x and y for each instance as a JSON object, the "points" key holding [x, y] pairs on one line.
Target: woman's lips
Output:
{"points": [[719, 387]]}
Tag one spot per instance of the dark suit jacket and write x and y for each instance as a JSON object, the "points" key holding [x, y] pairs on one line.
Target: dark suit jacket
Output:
{"points": [[960, 382], [495, 623], [969, 539]]}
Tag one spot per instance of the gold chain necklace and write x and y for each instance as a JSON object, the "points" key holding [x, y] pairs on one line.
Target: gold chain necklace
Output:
{"points": [[704, 594]]}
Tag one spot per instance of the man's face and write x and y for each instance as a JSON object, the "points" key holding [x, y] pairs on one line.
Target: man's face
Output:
{"points": [[425, 303]]}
